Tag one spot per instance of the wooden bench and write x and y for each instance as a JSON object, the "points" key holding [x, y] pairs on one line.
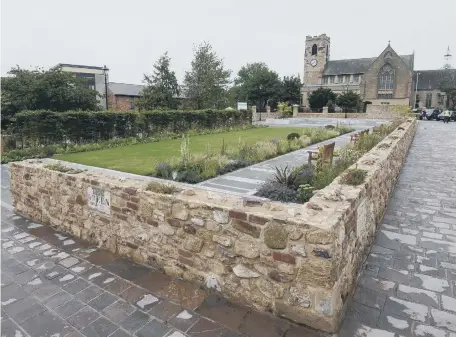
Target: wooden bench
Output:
{"points": [[327, 153], [354, 138]]}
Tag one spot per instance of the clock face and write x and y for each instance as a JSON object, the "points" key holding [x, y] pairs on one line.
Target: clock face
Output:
{"points": [[313, 62]]}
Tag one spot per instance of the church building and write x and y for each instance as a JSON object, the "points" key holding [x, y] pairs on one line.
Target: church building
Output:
{"points": [[387, 79]]}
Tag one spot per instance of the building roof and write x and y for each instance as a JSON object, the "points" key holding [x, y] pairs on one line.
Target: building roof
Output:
{"points": [[124, 89], [78, 66], [357, 66], [430, 79]]}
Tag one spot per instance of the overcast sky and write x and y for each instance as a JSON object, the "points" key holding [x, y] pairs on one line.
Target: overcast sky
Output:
{"points": [[129, 36]]}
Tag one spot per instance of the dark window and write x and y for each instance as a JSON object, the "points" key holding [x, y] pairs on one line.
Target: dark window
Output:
{"points": [[356, 78], [132, 103], [428, 100], [331, 79], [88, 78], [314, 49]]}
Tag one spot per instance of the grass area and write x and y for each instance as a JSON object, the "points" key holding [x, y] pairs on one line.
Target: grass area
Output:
{"points": [[142, 158]]}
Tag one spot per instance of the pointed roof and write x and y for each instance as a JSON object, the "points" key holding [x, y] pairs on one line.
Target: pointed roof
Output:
{"points": [[360, 66]]}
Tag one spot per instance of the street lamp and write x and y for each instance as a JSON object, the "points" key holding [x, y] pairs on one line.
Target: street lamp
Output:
{"points": [[416, 88], [105, 73]]}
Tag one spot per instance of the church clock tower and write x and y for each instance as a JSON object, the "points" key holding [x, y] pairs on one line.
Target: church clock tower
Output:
{"points": [[315, 57]]}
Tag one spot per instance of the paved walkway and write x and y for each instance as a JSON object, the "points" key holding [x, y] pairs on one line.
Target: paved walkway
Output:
{"points": [[56, 285], [408, 284]]}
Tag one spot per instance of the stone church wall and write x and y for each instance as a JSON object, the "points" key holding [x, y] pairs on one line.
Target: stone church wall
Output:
{"points": [[298, 261]]}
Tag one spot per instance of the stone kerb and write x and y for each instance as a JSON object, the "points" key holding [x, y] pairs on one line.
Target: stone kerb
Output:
{"points": [[298, 261]]}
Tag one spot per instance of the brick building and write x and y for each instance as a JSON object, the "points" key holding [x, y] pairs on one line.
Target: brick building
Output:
{"points": [[387, 79], [123, 97]]}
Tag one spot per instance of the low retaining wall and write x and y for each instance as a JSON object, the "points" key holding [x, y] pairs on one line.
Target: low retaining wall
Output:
{"points": [[298, 261], [374, 112]]}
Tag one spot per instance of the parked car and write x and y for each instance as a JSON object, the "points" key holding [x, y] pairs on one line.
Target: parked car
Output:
{"points": [[441, 116], [432, 114]]}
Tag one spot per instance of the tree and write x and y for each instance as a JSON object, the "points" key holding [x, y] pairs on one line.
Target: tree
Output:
{"points": [[161, 87], [206, 83], [52, 90], [257, 84], [447, 84], [321, 97], [291, 91], [349, 100]]}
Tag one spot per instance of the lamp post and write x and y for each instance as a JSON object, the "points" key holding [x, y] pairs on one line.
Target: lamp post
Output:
{"points": [[416, 88], [105, 73]]}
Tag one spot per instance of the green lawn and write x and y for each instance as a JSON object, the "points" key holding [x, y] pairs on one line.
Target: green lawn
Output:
{"points": [[142, 158]]}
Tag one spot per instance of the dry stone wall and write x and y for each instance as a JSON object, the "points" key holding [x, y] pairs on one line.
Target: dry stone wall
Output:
{"points": [[298, 261]]}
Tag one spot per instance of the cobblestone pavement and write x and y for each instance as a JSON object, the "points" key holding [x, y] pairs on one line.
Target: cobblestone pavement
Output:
{"points": [[408, 283], [56, 285]]}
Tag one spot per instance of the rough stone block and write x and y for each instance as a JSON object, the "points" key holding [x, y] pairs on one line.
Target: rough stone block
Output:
{"points": [[246, 228], [247, 249], [193, 244], [317, 273], [275, 236]]}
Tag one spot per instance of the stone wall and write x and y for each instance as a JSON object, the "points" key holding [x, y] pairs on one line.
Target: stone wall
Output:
{"points": [[298, 261], [373, 112]]}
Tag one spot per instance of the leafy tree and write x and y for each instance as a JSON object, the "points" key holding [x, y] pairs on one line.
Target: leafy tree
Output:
{"points": [[291, 91], [447, 84], [321, 97], [206, 83], [161, 87], [349, 100], [257, 84], [53, 90]]}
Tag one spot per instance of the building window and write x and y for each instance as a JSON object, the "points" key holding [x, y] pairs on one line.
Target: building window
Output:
{"points": [[331, 79], [356, 78], [326, 80], [132, 103], [385, 96], [386, 77], [347, 78], [314, 49], [428, 100]]}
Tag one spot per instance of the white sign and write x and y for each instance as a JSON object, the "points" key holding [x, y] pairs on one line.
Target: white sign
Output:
{"points": [[242, 105], [99, 199]]}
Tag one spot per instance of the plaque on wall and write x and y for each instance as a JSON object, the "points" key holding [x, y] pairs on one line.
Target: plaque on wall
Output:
{"points": [[99, 199]]}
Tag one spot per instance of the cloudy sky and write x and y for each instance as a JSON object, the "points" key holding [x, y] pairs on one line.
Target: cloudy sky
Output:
{"points": [[128, 36]]}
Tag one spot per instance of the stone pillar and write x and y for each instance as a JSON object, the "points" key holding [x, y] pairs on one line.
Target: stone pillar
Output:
{"points": [[295, 110], [268, 109], [325, 109], [254, 114]]}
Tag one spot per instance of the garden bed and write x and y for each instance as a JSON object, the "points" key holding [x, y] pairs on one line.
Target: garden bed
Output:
{"points": [[299, 184], [197, 167]]}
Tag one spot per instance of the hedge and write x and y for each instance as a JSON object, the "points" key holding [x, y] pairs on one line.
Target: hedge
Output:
{"points": [[37, 128]]}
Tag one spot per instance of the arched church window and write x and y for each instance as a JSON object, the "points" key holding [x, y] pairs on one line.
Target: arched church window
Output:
{"points": [[314, 49], [386, 78]]}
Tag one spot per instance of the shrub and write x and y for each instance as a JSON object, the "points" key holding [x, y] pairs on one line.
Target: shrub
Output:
{"points": [[305, 192], [232, 166], [189, 176], [47, 127], [354, 177], [164, 170], [162, 188], [285, 176], [330, 127], [293, 136], [277, 192], [304, 174], [365, 143]]}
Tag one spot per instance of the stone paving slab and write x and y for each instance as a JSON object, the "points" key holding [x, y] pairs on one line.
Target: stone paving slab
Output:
{"points": [[407, 287]]}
